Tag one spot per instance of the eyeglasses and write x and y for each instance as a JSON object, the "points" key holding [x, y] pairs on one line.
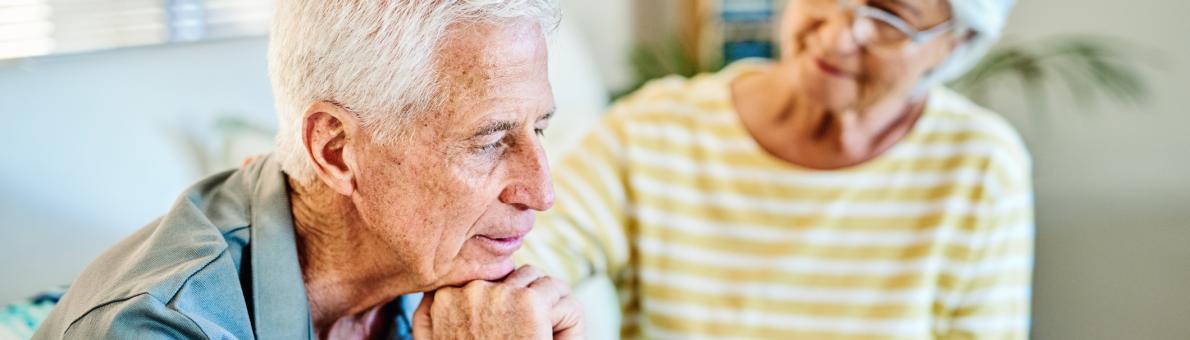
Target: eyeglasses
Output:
{"points": [[877, 28]]}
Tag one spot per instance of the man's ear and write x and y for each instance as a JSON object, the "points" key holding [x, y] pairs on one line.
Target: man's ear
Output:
{"points": [[327, 132]]}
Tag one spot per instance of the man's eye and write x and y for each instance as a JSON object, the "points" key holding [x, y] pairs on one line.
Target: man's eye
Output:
{"points": [[488, 148], [539, 132]]}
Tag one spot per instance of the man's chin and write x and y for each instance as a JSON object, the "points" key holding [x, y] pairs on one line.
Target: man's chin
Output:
{"points": [[492, 271], [497, 270]]}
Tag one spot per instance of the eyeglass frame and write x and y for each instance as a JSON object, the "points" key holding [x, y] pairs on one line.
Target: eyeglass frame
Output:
{"points": [[915, 36]]}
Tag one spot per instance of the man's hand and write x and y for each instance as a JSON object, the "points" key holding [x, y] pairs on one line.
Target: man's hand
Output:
{"points": [[525, 305]]}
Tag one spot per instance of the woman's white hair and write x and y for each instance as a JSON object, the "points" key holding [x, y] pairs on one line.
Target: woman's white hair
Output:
{"points": [[986, 18], [374, 57]]}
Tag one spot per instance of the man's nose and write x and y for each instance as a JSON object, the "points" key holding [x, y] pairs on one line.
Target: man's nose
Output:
{"points": [[530, 186]]}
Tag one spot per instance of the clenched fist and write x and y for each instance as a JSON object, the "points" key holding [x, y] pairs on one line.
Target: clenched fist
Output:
{"points": [[525, 305]]}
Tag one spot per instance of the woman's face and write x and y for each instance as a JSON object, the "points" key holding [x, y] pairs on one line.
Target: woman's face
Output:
{"points": [[823, 58]]}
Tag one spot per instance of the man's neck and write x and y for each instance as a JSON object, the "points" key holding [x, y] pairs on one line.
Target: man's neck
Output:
{"points": [[343, 266]]}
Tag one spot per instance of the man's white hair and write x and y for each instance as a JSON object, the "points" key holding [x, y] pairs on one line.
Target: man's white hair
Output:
{"points": [[374, 57]]}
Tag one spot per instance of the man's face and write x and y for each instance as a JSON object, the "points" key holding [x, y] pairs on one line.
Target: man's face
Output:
{"points": [[455, 201]]}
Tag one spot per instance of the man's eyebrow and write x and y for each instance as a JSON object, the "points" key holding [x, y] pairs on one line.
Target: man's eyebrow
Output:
{"points": [[547, 115], [505, 125], [494, 127]]}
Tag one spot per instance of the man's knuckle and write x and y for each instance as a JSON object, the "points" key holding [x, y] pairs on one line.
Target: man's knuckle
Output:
{"points": [[525, 298], [474, 292], [531, 271]]}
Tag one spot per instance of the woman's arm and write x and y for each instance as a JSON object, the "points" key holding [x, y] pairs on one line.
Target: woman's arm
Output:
{"points": [[995, 292]]}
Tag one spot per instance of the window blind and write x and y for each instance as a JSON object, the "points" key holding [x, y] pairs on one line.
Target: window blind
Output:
{"points": [[41, 27]]}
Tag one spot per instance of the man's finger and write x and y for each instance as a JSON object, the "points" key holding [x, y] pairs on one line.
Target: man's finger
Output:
{"points": [[422, 324], [550, 289], [523, 276], [567, 316]]}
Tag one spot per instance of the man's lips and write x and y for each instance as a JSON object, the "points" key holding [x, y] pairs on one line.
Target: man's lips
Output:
{"points": [[509, 232], [503, 243], [500, 239]]}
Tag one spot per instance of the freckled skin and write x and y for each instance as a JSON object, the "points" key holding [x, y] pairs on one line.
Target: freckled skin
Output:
{"points": [[428, 199]]}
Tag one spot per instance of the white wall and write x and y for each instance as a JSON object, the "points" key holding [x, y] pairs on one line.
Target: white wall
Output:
{"points": [[1113, 184], [608, 26], [94, 146], [614, 27]]}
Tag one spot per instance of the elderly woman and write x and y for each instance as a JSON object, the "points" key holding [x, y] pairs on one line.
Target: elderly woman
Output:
{"points": [[839, 192], [408, 161]]}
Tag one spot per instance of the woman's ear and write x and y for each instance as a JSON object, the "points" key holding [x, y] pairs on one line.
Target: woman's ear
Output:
{"points": [[946, 46], [327, 131], [959, 40], [970, 35]]}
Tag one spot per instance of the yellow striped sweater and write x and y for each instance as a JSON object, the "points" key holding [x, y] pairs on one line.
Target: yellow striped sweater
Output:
{"points": [[705, 234]]}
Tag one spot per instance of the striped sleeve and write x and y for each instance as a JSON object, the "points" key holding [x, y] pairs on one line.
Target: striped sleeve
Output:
{"points": [[994, 297]]}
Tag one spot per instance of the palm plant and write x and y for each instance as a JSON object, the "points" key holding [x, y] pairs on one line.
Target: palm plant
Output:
{"points": [[1087, 66]]}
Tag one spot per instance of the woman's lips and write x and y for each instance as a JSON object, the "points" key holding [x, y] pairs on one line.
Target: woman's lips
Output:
{"points": [[831, 69]]}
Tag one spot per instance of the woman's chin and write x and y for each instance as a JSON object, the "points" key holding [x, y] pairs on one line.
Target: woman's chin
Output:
{"points": [[829, 93], [833, 98]]}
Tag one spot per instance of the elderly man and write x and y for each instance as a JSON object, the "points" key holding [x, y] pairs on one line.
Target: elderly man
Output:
{"points": [[407, 161]]}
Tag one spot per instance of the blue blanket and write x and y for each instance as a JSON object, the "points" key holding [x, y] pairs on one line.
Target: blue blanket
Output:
{"points": [[19, 320]]}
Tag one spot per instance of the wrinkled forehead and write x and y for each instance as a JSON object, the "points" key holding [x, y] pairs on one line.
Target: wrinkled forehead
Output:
{"points": [[477, 57]]}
